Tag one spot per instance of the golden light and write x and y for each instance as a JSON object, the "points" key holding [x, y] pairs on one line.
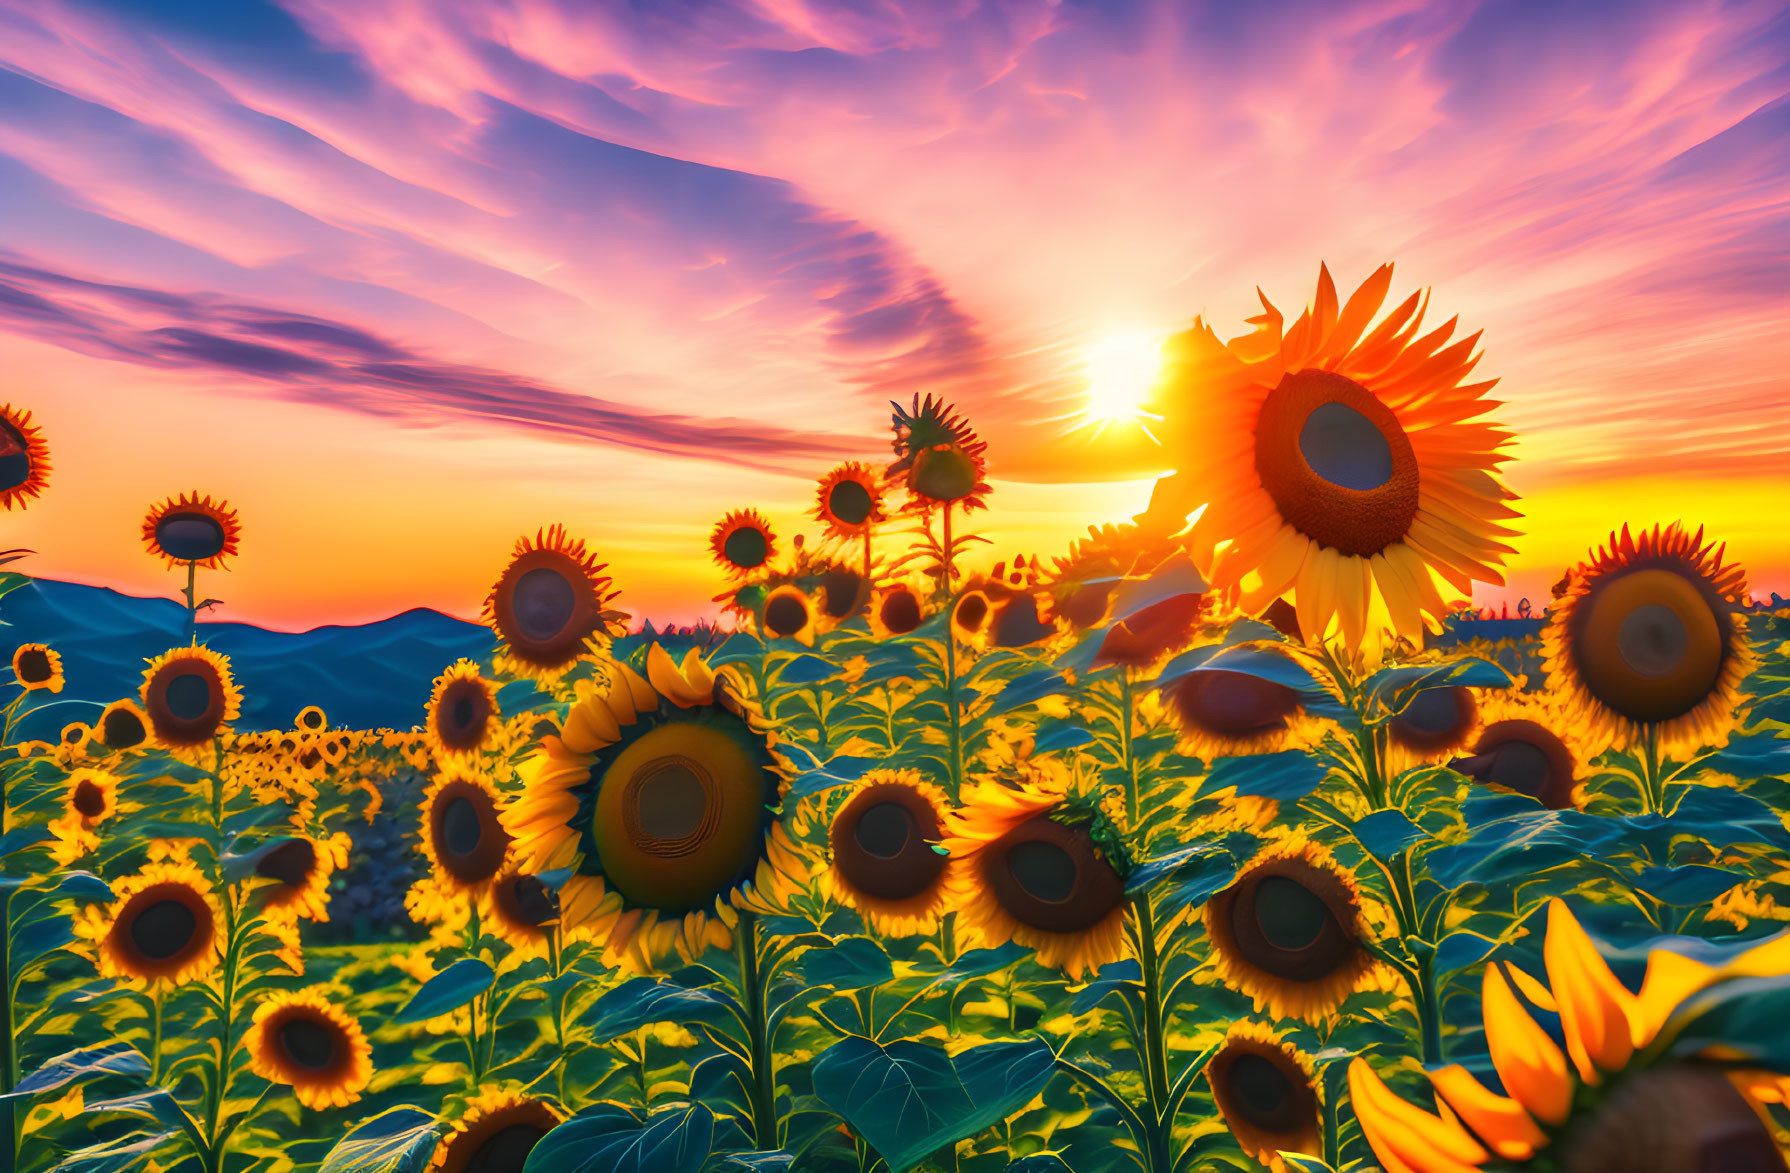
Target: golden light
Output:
{"points": [[1122, 369]]}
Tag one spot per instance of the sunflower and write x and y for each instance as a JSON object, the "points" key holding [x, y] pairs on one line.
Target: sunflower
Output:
{"points": [[1145, 637], [1031, 872], [1264, 1090], [1436, 725], [122, 725], [1621, 1114], [462, 832], [939, 458], [970, 617], [1222, 713], [550, 604], [896, 610], [841, 592], [24, 457], [743, 543], [1291, 932], [302, 1039], [1348, 466], [191, 528], [162, 925], [883, 859], [462, 713], [311, 720], [522, 910], [1527, 742], [300, 869], [790, 614], [849, 501], [1648, 640], [91, 799], [494, 1134], [37, 666], [189, 695], [661, 796]]}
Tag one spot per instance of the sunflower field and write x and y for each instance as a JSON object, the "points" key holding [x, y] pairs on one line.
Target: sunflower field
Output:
{"points": [[1221, 841]]}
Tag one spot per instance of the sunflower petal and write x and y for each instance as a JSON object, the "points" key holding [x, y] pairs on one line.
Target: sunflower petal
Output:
{"points": [[1497, 1120], [1404, 1136], [1595, 1009], [1531, 1067]]}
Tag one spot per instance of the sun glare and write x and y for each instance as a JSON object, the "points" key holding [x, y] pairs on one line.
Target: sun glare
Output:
{"points": [[1121, 370]]}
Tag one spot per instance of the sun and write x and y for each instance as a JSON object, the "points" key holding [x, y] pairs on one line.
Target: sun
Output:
{"points": [[1122, 368]]}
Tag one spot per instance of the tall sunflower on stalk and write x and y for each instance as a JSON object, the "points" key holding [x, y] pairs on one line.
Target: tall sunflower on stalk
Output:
{"points": [[551, 606], [1346, 463], [848, 503], [195, 531], [190, 697], [882, 847]]}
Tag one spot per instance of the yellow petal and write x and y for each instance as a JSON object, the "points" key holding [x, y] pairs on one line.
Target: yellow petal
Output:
{"points": [[696, 671], [1595, 1009], [1404, 1136], [645, 699], [668, 680], [1532, 989], [1498, 1120], [1671, 978], [1530, 1065], [590, 726]]}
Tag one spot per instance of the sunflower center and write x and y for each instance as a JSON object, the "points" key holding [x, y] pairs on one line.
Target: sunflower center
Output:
{"points": [[307, 1043], [785, 615], [188, 696], [1345, 448], [1651, 643], [1525, 757], [1652, 639], [840, 589], [901, 612], [460, 827], [544, 600], [972, 611], [463, 712], [1290, 916], [849, 501], [1260, 1088], [89, 799], [1434, 710], [1043, 870], [507, 1150], [34, 666], [1235, 704], [670, 798], [746, 547], [534, 900], [884, 829], [163, 929], [289, 863], [190, 537], [122, 729]]}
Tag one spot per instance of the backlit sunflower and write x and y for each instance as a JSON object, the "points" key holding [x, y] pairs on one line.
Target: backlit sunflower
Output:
{"points": [[1438, 724], [191, 528], [302, 1039], [1528, 743], [24, 457], [162, 926], [494, 1134], [883, 862], [839, 593], [1349, 466], [1223, 714], [661, 794], [90, 799], [896, 610], [37, 666], [1149, 635], [301, 868], [939, 458], [790, 614], [971, 617], [849, 501], [550, 606], [189, 696], [462, 717], [1649, 641], [462, 832], [1620, 1114], [1265, 1092], [122, 725], [1032, 873], [1291, 933], [743, 543], [311, 720], [522, 910]]}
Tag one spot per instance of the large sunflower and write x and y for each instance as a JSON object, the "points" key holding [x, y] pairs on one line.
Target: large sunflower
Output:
{"points": [[494, 1134], [301, 868], [462, 716], [1526, 742], [462, 832], [1291, 932], [1266, 1095], [191, 528], [1221, 713], [1031, 872], [743, 543], [550, 605], [1648, 640], [24, 458], [189, 696], [1350, 466], [661, 794], [37, 667], [162, 926], [939, 458], [302, 1039], [849, 500], [883, 858], [1620, 1115]]}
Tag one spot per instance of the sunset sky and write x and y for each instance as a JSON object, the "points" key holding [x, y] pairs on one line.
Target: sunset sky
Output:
{"points": [[405, 279]]}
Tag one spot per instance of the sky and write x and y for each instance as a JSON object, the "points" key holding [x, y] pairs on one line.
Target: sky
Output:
{"points": [[405, 279]]}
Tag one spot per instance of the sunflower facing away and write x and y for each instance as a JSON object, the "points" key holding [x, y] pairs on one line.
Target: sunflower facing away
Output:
{"points": [[1620, 1114], [743, 543], [550, 605], [189, 696], [122, 725], [896, 610], [939, 458], [462, 832], [522, 910], [37, 667], [883, 861], [661, 794], [1264, 1090], [1032, 873], [849, 501], [1291, 932], [1438, 724], [24, 458], [1348, 465], [301, 1039], [494, 1134], [1526, 742], [191, 528], [301, 868], [1648, 640], [162, 926], [462, 716]]}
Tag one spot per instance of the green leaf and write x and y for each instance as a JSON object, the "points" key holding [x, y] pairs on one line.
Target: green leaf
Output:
{"points": [[981, 963], [1395, 688], [238, 866], [1525, 844], [1300, 1163], [1386, 833], [839, 770], [850, 963], [806, 669], [611, 1139], [448, 990], [643, 1001], [1745, 1017], [1039, 1163], [1685, 886], [1026, 688], [19, 838], [79, 1066], [1112, 977], [1285, 777], [398, 1140], [132, 1151]]}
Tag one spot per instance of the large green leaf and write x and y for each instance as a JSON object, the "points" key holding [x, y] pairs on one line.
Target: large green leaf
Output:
{"points": [[79, 1066], [850, 963], [611, 1139], [1685, 886], [1524, 844], [448, 990], [643, 1001], [130, 1152], [1285, 777], [398, 1140], [1745, 1018], [1386, 833]]}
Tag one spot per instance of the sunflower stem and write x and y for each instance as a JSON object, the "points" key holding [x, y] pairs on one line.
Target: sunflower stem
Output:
{"points": [[9, 1058], [1127, 755], [155, 1036], [556, 960], [1156, 1086], [752, 995], [192, 603], [215, 1136], [1653, 797]]}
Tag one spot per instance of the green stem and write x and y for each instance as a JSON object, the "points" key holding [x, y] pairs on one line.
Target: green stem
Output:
{"points": [[155, 1036], [1653, 797], [9, 1059], [752, 997], [1127, 756], [192, 603], [557, 962], [956, 717], [1156, 1085], [1423, 992], [215, 1136]]}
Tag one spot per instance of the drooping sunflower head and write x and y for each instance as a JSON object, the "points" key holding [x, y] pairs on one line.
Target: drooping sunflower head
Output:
{"points": [[896, 610], [789, 613], [191, 528], [1346, 463], [522, 910], [1527, 742], [939, 458], [189, 696], [1224, 713], [123, 725], [494, 1134], [550, 605], [743, 543], [162, 926], [1265, 1091], [1291, 933], [37, 667], [462, 717], [462, 832], [301, 868], [1035, 867], [884, 863], [849, 500], [24, 457], [1648, 639], [302, 1039], [662, 792], [1151, 634], [311, 719]]}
